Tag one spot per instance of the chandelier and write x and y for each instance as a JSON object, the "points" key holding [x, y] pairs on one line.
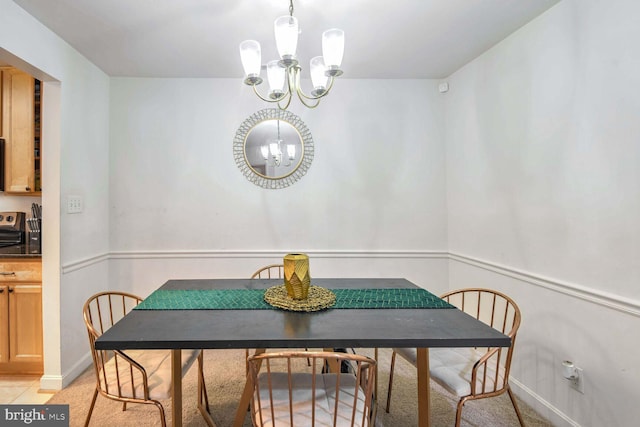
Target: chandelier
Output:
{"points": [[284, 74], [272, 151]]}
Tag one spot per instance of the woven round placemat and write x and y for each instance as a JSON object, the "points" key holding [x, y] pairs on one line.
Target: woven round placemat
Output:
{"points": [[318, 299]]}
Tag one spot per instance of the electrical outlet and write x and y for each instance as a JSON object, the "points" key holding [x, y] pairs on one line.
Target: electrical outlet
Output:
{"points": [[577, 383], [74, 204]]}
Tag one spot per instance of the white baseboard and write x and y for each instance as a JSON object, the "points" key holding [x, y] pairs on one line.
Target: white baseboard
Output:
{"points": [[51, 382], [58, 382], [77, 369]]}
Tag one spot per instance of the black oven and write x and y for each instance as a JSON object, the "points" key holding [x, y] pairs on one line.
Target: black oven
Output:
{"points": [[12, 228]]}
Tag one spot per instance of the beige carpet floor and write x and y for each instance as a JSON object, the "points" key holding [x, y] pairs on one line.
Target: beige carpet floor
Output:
{"points": [[224, 373]]}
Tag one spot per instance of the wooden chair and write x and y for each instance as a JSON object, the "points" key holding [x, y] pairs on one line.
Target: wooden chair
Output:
{"points": [[288, 393], [473, 373], [273, 271], [133, 376]]}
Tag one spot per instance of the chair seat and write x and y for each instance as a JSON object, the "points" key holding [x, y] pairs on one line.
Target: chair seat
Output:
{"points": [[451, 368], [325, 389], [157, 364]]}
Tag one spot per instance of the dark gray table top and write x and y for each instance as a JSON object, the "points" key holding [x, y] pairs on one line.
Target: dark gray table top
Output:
{"points": [[337, 328]]}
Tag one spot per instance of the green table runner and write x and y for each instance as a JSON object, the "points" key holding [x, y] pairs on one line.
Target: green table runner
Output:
{"points": [[253, 299]]}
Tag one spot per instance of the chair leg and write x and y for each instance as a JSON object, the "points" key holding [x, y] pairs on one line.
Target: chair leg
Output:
{"points": [[393, 363], [515, 405], [459, 411], [93, 403], [163, 419], [203, 397]]}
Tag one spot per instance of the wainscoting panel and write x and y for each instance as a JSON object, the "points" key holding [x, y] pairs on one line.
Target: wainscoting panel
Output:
{"points": [[562, 321]]}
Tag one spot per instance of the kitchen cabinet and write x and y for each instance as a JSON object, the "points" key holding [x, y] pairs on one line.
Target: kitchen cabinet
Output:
{"points": [[21, 316], [20, 127]]}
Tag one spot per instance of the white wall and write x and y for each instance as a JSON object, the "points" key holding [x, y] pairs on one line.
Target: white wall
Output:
{"points": [[17, 204], [376, 183], [543, 186], [75, 161]]}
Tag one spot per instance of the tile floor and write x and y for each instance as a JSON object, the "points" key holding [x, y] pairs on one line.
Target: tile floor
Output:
{"points": [[22, 390]]}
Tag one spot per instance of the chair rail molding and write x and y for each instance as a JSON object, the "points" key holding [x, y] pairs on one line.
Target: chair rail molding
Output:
{"points": [[607, 299], [278, 254], [84, 263]]}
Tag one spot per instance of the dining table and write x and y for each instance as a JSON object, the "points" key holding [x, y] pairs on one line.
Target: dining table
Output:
{"points": [[232, 314]]}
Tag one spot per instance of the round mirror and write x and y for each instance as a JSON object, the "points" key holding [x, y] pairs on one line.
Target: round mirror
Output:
{"points": [[273, 148]]}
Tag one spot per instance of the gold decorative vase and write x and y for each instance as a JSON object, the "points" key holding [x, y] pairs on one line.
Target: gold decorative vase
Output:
{"points": [[296, 275]]}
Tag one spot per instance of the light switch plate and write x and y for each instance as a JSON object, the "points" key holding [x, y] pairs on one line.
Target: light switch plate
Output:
{"points": [[74, 204]]}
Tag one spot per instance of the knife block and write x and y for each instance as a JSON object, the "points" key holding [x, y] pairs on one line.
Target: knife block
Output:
{"points": [[35, 242]]}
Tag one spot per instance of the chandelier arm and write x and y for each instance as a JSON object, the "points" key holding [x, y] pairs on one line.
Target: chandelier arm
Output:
{"points": [[294, 79], [301, 94], [260, 96], [331, 80], [287, 104], [284, 95]]}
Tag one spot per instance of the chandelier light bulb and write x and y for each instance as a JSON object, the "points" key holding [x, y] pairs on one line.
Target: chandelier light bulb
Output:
{"points": [[274, 149], [333, 50], [276, 78], [286, 32], [318, 76], [264, 150], [251, 58], [291, 151]]}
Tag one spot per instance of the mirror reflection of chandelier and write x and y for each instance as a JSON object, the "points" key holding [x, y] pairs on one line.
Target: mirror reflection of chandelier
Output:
{"points": [[323, 69], [272, 150]]}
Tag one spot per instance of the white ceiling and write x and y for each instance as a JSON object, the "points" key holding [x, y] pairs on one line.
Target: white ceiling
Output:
{"points": [[199, 38]]}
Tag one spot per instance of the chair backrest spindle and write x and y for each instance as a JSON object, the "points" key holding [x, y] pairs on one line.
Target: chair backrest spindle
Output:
{"points": [[272, 271], [314, 398]]}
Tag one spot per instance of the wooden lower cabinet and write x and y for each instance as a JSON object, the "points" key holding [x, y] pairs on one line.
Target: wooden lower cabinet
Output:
{"points": [[20, 317]]}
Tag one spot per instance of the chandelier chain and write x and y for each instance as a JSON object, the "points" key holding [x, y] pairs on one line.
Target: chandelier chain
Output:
{"points": [[290, 7]]}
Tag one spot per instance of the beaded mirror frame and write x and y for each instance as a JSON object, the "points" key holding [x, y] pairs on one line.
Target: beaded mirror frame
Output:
{"points": [[240, 154]]}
